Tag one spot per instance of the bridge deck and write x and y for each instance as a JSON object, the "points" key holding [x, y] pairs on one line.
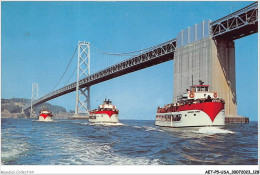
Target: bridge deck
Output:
{"points": [[156, 55], [236, 25]]}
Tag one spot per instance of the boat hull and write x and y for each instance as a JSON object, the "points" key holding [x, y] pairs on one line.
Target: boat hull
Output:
{"points": [[46, 119], [103, 118]]}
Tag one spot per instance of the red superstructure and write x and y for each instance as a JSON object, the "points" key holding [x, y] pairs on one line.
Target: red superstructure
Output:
{"points": [[45, 115], [108, 112]]}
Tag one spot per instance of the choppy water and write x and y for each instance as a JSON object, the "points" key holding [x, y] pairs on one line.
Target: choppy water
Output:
{"points": [[70, 142]]}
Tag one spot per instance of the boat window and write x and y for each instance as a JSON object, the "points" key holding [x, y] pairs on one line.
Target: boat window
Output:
{"points": [[206, 88], [176, 117], [179, 117]]}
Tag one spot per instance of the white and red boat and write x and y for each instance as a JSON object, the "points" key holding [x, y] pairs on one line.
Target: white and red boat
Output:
{"points": [[45, 115], [106, 113], [197, 108]]}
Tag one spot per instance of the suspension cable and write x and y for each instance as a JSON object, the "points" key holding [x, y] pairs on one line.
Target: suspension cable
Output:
{"points": [[127, 53], [120, 54], [70, 76], [65, 70]]}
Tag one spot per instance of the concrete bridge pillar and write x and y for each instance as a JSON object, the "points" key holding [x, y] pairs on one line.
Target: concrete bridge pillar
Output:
{"points": [[224, 74], [212, 61]]}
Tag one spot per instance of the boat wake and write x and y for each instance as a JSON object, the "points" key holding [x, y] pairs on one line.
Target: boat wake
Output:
{"points": [[83, 123], [93, 153], [12, 147], [108, 124], [213, 130], [148, 128], [138, 127], [44, 121]]}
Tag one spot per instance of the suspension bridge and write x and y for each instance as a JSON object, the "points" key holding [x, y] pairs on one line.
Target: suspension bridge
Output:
{"points": [[215, 37]]}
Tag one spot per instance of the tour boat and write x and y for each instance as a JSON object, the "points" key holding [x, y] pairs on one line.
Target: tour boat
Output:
{"points": [[197, 108], [45, 115], [106, 113]]}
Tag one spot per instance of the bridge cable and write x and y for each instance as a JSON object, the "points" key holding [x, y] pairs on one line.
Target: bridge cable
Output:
{"points": [[127, 53], [70, 76], [107, 60], [65, 70], [120, 54]]}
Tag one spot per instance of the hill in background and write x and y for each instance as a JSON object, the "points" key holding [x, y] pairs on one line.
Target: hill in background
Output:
{"points": [[12, 108]]}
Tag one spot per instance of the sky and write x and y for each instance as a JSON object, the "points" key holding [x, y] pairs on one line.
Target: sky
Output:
{"points": [[38, 40]]}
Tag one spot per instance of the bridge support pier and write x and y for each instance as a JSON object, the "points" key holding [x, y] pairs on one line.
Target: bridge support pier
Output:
{"points": [[223, 74], [212, 61]]}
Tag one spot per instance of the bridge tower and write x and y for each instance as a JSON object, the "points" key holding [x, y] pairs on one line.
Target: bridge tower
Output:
{"points": [[83, 70], [35, 91]]}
